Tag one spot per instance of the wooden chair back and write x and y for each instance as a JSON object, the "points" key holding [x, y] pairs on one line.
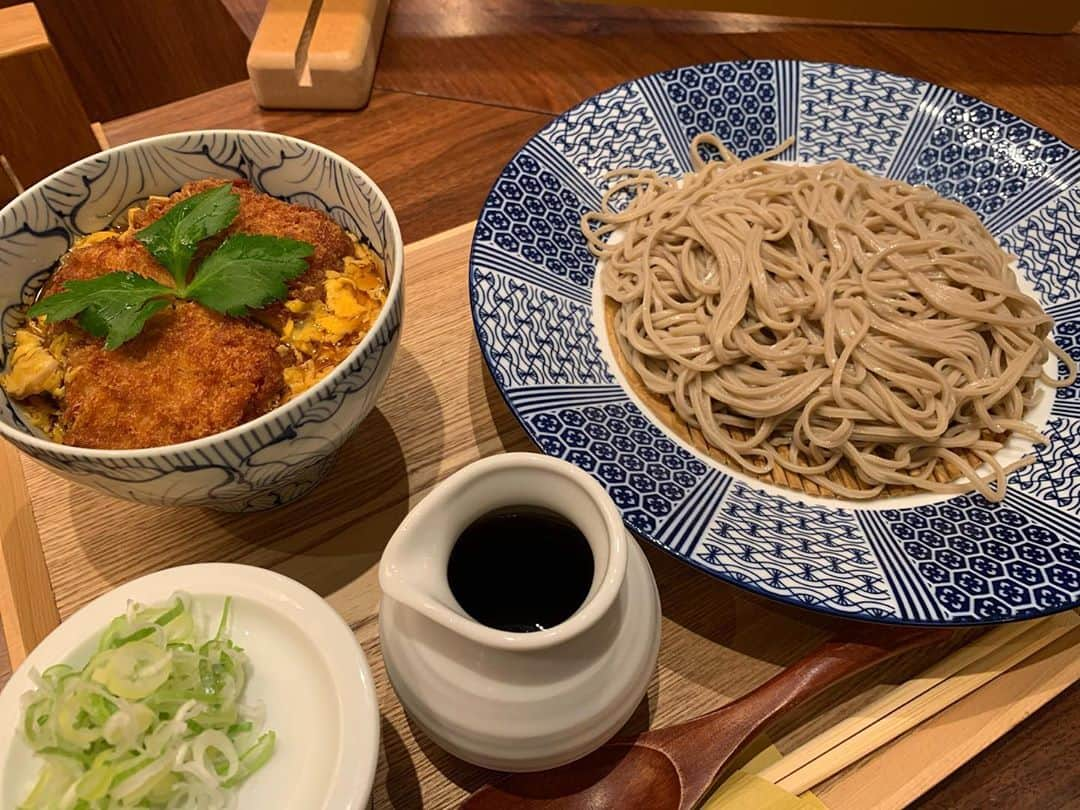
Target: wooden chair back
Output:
{"points": [[43, 125]]}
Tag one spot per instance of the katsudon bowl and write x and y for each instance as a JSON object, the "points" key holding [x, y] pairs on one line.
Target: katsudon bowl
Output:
{"points": [[277, 456]]}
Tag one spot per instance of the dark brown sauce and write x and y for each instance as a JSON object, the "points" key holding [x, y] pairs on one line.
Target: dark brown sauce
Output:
{"points": [[521, 569]]}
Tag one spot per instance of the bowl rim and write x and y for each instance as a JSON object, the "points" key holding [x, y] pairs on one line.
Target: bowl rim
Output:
{"points": [[297, 404]]}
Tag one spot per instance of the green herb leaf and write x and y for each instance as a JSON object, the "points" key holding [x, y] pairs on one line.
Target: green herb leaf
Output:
{"points": [[174, 238], [114, 306], [245, 272], [248, 272]]}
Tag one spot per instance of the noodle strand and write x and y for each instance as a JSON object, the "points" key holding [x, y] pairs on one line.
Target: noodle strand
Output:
{"points": [[856, 331]]}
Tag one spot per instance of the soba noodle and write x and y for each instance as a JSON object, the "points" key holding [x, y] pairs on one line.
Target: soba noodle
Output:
{"points": [[817, 317]]}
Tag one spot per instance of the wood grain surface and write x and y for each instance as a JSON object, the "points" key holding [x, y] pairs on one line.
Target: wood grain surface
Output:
{"points": [[460, 87], [1033, 766], [440, 411], [43, 125], [28, 607], [547, 57], [897, 774]]}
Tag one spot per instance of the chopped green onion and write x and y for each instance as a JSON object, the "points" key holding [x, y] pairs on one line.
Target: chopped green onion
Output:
{"points": [[138, 635], [154, 720], [223, 624], [170, 614], [254, 758]]}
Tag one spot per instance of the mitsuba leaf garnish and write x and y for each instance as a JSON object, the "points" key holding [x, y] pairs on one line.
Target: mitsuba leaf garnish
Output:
{"points": [[248, 271], [113, 306], [245, 272], [174, 238]]}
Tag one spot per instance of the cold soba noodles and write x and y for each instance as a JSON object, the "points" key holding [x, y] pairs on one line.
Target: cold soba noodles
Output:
{"points": [[817, 323]]}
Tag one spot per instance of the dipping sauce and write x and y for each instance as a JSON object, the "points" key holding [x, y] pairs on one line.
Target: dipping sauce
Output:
{"points": [[521, 569]]}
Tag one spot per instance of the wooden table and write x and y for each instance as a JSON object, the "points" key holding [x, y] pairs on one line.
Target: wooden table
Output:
{"points": [[462, 84]]}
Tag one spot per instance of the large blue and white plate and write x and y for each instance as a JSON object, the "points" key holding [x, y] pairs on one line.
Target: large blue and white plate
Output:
{"points": [[926, 559]]}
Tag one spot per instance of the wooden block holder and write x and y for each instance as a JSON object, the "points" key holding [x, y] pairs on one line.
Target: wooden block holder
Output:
{"points": [[317, 54]]}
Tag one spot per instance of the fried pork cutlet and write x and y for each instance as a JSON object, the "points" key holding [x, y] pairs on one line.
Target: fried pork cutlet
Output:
{"points": [[100, 255], [190, 373], [261, 214]]}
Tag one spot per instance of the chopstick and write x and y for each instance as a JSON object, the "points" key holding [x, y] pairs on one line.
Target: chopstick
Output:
{"points": [[28, 611], [907, 705], [906, 692]]}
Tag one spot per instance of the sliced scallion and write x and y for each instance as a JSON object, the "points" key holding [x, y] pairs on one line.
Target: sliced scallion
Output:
{"points": [[155, 719]]}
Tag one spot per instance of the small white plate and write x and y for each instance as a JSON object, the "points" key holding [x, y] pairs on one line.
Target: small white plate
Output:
{"points": [[308, 670]]}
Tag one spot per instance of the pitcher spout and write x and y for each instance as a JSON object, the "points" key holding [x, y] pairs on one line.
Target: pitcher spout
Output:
{"points": [[414, 565]]}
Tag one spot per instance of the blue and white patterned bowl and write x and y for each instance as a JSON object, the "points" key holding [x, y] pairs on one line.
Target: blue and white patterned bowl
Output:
{"points": [[270, 460], [920, 559]]}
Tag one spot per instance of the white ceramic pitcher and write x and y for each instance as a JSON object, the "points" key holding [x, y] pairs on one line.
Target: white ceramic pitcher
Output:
{"points": [[517, 701]]}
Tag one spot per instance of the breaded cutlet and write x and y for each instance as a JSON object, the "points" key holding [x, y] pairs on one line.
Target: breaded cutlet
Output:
{"points": [[92, 259], [190, 373], [262, 214]]}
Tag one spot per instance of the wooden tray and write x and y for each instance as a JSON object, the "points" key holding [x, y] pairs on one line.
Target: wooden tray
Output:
{"points": [[439, 411]]}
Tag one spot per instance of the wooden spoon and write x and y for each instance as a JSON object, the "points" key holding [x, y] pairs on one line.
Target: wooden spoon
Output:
{"points": [[674, 768]]}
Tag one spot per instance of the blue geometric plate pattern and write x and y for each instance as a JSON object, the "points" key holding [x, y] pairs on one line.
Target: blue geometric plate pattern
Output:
{"points": [[923, 560]]}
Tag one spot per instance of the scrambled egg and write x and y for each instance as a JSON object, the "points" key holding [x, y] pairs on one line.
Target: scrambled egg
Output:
{"points": [[321, 333], [34, 369], [94, 238], [35, 376], [35, 372]]}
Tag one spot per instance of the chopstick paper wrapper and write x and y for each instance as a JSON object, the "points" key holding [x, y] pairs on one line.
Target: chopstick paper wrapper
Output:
{"points": [[745, 790]]}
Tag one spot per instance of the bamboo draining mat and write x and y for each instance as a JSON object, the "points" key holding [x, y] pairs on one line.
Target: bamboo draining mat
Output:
{"points": [[440, 411]]}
